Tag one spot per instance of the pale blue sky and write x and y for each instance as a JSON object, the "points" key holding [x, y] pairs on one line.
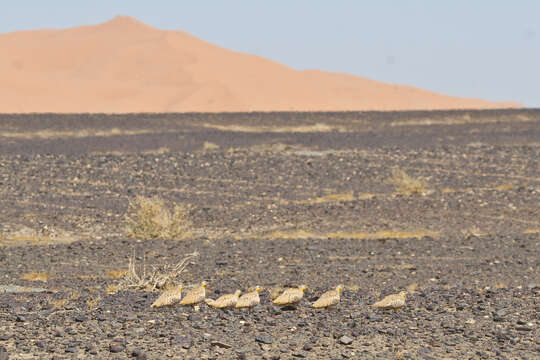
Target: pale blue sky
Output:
{"points": [[478, 48]]}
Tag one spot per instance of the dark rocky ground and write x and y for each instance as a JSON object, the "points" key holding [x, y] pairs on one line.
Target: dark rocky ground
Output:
{"points": [[275, 200]]}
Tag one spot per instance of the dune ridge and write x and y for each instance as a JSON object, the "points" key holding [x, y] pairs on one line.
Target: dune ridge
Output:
{"points": [[125, 66]]}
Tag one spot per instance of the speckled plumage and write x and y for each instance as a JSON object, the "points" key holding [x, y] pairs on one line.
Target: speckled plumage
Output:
{"points": [[249, 299], [394, 301], [291, 296], [168, 297], [195, 296], [329, 298], [224, 301]]}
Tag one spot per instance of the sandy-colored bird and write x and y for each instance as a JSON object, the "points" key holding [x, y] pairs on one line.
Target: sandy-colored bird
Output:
{"points": [[291, 296], [169, 297], [224, 301], [249, 299], [195, 296], [394, 301], [329, 298]]}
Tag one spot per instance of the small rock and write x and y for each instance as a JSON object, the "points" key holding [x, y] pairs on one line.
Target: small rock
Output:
{"points": [[299, 355], [138, 354], [221, 262], [185, 342], [5, 337], [116, 347], [264, 339], [71, 350], [80, 318], [524, 328], [307, 347], [221, 344], [345, 340], [3, 353], [194, 317]]}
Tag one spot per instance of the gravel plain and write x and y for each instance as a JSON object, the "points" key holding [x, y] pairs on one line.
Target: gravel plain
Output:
{"points": [[276, 200]]}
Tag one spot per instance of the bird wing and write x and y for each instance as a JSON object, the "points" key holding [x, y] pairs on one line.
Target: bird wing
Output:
{"points": [[248, 300], [193, 297], [329, 298], [226, 301], [389, 301], [289, 296], [167, 298]]}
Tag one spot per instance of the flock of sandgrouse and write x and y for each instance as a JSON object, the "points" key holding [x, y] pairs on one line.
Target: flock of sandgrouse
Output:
{"points": [[291, 296]]}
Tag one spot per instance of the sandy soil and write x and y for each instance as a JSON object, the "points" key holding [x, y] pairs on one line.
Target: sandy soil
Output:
{"points": [[275, 200]]}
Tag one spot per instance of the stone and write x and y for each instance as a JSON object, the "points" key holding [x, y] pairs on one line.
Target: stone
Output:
{"points": [[138, 354], [116, 347], [221, 344], [264, 339], [345, 340]]}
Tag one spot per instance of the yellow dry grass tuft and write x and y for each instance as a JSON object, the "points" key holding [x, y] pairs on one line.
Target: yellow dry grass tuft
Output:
{"points": [[116, 273], [57, 303], [531, 231], [210, 146], [506, 187], [36, 276], [332, 198], [407, 185], [112, 289], [93, 302], [385, 234], [149, 218], [318, 127]]}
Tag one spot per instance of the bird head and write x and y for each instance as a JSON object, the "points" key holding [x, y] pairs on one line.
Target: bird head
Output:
{"points": [[179, 288], [339, 288], [303, 287], [237, 293], [258, 289], [403, 294], [203, 284]]}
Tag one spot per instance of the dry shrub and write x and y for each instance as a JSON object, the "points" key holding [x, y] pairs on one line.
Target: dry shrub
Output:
{"points": [[407, 185], [149, 218], [160, 277]]}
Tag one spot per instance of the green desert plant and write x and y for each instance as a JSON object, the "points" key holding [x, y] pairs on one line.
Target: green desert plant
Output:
{"points": [[149, 218]]}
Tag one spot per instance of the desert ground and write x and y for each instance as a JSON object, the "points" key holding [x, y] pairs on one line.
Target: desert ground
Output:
{"points": [[442, 204]]}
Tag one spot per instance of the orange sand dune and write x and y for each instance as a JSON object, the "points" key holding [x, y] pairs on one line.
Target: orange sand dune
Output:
{"points": [[126, 66]]}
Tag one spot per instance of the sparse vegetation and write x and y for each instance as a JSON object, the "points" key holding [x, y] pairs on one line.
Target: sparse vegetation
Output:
{"points": [[57, 303], [210, 146], [407, 185], [161, 277], [116, 273], [93, 302], [36, 276], [149, 218]]}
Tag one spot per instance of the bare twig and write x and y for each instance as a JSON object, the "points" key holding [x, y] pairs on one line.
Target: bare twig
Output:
{"points": [[160, 277]]}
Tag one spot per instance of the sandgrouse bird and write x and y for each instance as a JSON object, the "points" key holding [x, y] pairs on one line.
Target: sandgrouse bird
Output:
{"points": [[169, 297], [329, 298], [195, 295], [394, 301], [225, 301], [249, 299], [291, 296]]}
